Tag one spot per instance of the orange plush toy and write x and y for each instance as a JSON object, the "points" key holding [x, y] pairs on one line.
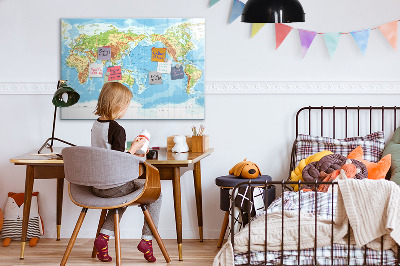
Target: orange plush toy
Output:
{"points": [[245, 169], [375, 170], [13, 214]]}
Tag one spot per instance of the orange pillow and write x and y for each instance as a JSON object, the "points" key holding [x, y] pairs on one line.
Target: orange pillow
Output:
{"points": [[375, 170]]}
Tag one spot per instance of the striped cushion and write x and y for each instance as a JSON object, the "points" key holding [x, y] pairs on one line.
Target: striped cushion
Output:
{"points": [[13, 228], [372, 145]]}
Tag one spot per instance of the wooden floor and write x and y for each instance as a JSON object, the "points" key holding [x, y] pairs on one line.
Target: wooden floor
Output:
{"points": [[50, 252]]}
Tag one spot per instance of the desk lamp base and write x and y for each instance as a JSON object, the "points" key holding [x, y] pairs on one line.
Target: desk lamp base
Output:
{"points": [[46, 144]]}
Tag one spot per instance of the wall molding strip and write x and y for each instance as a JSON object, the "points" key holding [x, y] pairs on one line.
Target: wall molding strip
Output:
{"points": [[251, 87], [304, 87]]}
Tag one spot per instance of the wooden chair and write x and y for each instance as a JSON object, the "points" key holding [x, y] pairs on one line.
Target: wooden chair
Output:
{"points": [[85, 167]]}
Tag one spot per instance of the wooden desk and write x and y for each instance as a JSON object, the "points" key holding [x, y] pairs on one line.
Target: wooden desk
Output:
{"points": [[40, 167], [168, 164]]}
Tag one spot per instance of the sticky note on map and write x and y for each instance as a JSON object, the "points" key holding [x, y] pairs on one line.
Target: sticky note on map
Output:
{"points": [[95, 70], [164, 67], [104, 53], [155, 78], [158, 54], [115, 73], [177, 72]]}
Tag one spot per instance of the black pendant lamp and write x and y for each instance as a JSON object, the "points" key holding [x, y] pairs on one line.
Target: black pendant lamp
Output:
{"points": [[273, 11]]}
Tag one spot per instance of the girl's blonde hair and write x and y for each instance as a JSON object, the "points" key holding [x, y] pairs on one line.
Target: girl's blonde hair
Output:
{"points": [[113, 99]]}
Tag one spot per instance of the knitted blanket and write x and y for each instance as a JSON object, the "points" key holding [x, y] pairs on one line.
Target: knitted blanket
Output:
{"points": [[274, 235], [371, 207]]}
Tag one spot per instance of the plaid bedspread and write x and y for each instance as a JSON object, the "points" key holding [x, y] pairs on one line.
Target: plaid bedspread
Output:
{"points": [[324, 257], [322, 206]]}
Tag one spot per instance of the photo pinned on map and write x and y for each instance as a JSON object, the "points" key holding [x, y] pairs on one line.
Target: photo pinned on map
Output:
{"points": [[164, 67], [95, 70], [104, 53], [155, 78], [115, 73], [158, 54], [177, 72]]}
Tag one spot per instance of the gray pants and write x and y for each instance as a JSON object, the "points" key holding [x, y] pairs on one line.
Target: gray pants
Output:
{"points": [[154, 208]]}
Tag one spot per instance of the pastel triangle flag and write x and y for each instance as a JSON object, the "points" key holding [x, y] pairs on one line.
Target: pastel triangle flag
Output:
{"points": [[361, 37], [281, 31], [389, 30], [213, 2], [256, 28], [306, 39], [237, 9], [332, 41]]}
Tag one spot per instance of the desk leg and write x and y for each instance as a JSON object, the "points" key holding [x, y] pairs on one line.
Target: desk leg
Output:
{"points": [[199, 204], [27, 206], [176, 182], [60, 190]]}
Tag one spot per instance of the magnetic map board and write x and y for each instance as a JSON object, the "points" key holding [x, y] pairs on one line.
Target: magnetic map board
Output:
{"points": [[160, 60]]}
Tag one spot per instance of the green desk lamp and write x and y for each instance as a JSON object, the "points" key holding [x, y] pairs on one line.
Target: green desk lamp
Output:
{"points": [[64, 96]]}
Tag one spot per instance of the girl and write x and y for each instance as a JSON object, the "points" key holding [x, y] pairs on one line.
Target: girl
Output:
{"points": [[106, 133]]}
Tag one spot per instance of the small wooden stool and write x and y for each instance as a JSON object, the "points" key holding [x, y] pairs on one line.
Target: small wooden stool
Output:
{"points": [[226, 183]]}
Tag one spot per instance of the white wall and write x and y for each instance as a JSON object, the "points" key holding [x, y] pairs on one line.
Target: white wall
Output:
{"points": [[258, 126]]}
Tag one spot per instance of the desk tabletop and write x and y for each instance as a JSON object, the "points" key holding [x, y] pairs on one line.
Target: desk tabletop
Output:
{"points": [[164, 157], [168, 157]]}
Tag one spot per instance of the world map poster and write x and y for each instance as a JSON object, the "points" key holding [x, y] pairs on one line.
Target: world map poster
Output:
{"points": [[160, 60]]}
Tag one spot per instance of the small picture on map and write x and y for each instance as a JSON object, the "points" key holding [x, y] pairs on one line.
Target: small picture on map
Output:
{"points": [[158, 54], [114, 73], [155, 78], [177, 72], [164, 67], [136, 48], [104, 53], [95, 70]]}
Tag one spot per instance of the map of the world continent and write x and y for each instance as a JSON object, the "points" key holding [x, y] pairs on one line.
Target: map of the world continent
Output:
{"points": [[160, 60]]}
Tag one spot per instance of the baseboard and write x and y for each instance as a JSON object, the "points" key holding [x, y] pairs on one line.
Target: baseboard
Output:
{"points": [[248, 87]]}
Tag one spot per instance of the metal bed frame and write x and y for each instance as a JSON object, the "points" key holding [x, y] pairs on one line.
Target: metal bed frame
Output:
{"points": [[284, 184]]}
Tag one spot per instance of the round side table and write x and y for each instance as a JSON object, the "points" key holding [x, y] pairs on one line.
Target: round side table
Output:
{"points": [[226, 183]]}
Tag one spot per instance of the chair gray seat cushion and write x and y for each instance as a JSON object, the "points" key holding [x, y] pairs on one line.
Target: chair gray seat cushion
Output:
{"points": [[99, 167], [83, 196]]}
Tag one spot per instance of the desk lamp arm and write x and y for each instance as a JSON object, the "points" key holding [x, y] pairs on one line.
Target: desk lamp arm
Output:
{"points": [[46, 143]]}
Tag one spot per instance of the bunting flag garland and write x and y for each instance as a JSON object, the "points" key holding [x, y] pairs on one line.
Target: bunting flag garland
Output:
{"points": [[237, 9], [256, 28], [213, 2], [306, 39], [361, 38], [281, 31], [389, 30], [332, 41]]}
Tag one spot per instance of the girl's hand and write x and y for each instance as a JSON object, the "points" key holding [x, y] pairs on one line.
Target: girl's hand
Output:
{"points": [[137, 144], [143, 155]]}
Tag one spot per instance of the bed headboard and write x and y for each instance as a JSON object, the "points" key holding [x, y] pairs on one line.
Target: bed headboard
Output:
{"points": [[344, 118], [344, 121]]}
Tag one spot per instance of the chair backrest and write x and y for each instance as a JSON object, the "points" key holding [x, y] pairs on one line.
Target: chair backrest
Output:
{"points": [[92, 166]]}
